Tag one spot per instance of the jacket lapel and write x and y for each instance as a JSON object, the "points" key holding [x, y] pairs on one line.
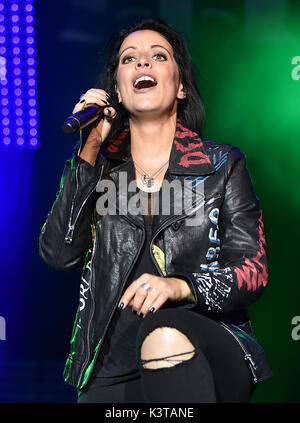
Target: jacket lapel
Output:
{"points": [[188, 157]]}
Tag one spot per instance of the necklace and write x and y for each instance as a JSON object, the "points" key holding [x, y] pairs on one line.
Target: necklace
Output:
{"points": [[148, 179]]}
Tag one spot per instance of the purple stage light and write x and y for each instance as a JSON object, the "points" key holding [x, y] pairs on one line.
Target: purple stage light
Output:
{"points": [[18, 83]]}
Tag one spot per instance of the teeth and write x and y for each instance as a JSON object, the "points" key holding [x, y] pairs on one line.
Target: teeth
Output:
{"points": [[143, 78]]}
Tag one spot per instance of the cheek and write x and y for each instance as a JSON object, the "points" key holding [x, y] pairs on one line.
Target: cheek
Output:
{"points": [[171, 77], [123, 79], [171, 85]]}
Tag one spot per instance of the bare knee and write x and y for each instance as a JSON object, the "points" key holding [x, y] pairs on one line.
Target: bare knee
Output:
{"points": [[165, 347]]}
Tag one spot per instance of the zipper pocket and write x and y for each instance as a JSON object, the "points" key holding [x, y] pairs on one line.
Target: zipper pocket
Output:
{"points": [[71, 225], [247, 355]]}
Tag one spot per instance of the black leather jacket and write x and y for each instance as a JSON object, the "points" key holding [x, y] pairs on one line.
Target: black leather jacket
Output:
{"points": [[221, 255]]}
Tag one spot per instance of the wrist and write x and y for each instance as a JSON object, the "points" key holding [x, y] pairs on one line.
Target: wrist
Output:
{"points": [[185, 292], [89, 153]]}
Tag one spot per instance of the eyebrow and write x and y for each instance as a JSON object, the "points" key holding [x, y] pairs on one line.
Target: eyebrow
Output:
{"points": [[153, 46]]}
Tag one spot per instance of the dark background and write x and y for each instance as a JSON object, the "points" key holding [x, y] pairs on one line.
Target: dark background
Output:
{"points": [[242, 52]]}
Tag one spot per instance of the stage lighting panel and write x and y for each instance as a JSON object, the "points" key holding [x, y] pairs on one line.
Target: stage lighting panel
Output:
{"points": [[18, 75]]}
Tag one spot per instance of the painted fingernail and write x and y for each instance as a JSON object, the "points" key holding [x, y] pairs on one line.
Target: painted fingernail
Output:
{"points": [[121, 305], [109, 111], [104, 101], [134, 311], [108, 96], [152, 310], [141, 315]]}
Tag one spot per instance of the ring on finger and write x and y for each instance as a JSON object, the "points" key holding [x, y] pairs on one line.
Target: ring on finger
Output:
{"points": [[146, 286]]}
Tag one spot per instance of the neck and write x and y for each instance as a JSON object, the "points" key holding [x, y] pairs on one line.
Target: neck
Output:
{"points": [[151, 141]]}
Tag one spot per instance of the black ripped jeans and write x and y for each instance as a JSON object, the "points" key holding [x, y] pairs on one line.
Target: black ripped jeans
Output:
{"points": [[217, 371]]}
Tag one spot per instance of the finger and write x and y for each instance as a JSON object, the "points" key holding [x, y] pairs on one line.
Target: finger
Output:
{"points": [[88, 100], [138, 282], [149, 302], [128, 295], [110, 113], [157, 303], [139, 298], [94, 99], [98, 91]]}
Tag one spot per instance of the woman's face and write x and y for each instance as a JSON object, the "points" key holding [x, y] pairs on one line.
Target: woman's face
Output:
{"points": [[148, 76]]}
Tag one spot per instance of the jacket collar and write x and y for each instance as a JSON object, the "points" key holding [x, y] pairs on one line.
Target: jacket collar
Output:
{"points": [[188, 154]]}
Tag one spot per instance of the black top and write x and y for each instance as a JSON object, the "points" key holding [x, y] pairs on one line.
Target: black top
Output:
{"points": [[117, 360]]}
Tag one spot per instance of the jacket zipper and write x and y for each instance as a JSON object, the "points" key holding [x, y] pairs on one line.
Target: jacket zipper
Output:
{"points": [[247, 355], [111, 314], [128, 272], [70, 230]]}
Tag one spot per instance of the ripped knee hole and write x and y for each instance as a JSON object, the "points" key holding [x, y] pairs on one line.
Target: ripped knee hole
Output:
{"points": [[165, 347], [168, 361]]}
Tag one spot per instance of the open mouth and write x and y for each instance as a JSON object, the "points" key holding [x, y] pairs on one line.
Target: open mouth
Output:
{"points": [[144, 82]]}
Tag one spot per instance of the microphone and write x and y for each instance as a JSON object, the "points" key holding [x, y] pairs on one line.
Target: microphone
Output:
{"points": [[79, 120], [84, 117]]}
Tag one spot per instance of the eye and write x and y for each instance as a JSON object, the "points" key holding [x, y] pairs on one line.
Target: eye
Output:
{"points": [[160, 57], [127, 59]]}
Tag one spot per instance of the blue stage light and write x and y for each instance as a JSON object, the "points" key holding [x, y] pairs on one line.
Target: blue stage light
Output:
{"points": [[6, 141], [18, 75]]}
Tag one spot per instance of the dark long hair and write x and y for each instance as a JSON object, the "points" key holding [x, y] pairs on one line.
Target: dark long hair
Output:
{"points": [[190, 110]]}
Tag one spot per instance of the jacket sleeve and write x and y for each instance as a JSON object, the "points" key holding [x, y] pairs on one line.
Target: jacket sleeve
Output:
{"points": [[242, 274], [66, 235]]}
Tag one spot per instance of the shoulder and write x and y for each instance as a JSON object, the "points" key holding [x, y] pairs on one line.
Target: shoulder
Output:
{"points": [[220, 151], [213, 146]]}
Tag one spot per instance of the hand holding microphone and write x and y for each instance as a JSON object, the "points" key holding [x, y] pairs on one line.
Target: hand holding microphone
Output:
{"points": [[93, 104], [95, 109]]}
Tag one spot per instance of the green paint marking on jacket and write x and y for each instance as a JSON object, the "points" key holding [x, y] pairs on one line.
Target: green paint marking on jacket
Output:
{"points": [[90, 367]]}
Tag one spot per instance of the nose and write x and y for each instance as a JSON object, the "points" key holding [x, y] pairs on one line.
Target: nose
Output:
{"points": [[143, 62]]}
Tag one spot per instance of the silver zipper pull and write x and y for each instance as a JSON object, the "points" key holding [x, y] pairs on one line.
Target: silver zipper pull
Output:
{"points": [[69, 235]]}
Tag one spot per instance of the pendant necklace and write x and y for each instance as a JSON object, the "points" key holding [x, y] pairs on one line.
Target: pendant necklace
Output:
{"points": [[148, 180]]}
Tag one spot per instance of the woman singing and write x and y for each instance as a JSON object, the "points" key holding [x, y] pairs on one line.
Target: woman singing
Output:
{"points": [[164, 289]]}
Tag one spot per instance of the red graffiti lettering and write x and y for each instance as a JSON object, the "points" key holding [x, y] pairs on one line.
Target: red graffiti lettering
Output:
{"points": [[184, 132], [113, 147], [249, 272], [185, 162], [184, 149]]}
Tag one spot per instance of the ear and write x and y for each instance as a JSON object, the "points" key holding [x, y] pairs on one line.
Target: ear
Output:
{"points": [[118, 93], [181, 94]]}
